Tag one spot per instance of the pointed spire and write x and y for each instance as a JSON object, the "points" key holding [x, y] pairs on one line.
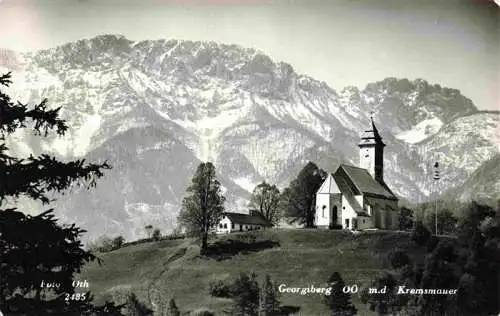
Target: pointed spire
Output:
{"points": [[371, 136]]}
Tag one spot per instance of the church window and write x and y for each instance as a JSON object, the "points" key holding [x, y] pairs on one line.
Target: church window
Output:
{"points": [[324, 207], [343, 207], [221, 226], [232, 225], [225, 225], [346, 223]]}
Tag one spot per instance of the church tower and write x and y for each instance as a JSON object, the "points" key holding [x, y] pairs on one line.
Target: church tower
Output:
{"points": [[371, 153]]}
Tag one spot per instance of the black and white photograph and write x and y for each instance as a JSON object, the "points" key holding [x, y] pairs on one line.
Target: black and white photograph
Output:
{"points": [[249, 157]]}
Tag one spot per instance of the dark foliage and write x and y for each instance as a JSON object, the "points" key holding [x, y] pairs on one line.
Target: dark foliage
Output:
{"points": [[225, 249], [173, 310], [421, 234], [469, 263], [446, 222], [220, 289], [432, 243], [300, 197], [36, 248], [339, 302], [265, 200], [156, 235], [133, 307], [405, 218], [118, 242], [246, 293], [398, 258], [202, 209], [386, 301], [269, 298], [335, 226]]}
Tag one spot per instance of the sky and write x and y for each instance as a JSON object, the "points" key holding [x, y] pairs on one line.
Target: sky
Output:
{"points": [[454, 43]]}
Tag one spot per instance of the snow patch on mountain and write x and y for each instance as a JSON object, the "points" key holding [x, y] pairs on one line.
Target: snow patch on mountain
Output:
{"points": [[246, 183], [421, 131]]}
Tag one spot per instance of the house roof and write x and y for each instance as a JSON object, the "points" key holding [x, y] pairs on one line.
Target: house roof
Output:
{"points": [[329, 186], [247, 219], [363, 181]]}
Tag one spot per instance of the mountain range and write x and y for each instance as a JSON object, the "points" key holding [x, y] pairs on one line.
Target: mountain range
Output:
{"points": [[155, 109]]}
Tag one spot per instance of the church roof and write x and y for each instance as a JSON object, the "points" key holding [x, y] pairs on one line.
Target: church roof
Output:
{"points": [[240, 218], [363, 181], [329, 186], [349, 193]]}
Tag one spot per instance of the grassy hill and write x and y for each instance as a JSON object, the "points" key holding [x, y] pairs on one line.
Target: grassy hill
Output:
{"points": [[158, 271]]}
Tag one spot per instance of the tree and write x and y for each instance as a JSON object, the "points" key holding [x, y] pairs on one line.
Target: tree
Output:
{"points": [[301, 195], [156, 234], [338, 301], [133, 307], [269, 303], [118, 242], [245, 295], [36, 248], [399, 258], [446, 221], [149, 229], [172, 309], [478, 288], [405, 218], [385, 301], [202, 209], [265, 200], [421, 234]]}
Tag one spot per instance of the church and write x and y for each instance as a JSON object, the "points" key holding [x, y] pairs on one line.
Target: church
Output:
{"points": [[357, 198]]}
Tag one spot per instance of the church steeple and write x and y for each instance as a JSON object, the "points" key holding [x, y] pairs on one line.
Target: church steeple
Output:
{"points": [[371, 152]]}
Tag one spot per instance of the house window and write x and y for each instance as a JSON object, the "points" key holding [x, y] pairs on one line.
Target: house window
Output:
{"points": [[225, 225]]}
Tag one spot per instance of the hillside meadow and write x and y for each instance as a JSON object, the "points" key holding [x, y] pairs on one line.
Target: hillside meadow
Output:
{"points": [[158, 271]]}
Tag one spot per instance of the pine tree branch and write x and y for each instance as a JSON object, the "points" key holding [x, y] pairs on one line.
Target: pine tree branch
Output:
{"points": [[14, 116], [39, 175]]}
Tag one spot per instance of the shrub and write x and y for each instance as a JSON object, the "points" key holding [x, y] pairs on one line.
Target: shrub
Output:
{"points": [[398, 258], [421, 234], [432, 243], [334, 226], [118, 242], [220, 289], [156, 234], [102, 244]]}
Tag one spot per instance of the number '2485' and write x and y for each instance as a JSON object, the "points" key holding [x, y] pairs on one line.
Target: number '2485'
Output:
{"points": [[76, 297]]}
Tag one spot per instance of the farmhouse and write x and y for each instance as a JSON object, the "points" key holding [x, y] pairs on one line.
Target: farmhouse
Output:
{"points": [[357, 197], [237, 222]]}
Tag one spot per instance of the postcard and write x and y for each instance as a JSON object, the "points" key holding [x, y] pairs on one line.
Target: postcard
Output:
{"points": [[249, 157]]}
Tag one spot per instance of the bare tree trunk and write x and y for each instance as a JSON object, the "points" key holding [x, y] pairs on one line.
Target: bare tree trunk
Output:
{"points": [[204, 242]]}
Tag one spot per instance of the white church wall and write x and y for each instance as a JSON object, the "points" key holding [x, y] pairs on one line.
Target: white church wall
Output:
{"points": [[348, 213], [322, 216]]}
